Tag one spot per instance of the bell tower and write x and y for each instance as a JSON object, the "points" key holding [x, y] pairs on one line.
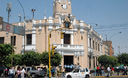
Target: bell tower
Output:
{"points": [[61, 7]]}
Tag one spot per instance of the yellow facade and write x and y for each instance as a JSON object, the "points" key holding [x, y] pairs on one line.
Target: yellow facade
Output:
{"points": [[75, 47]]}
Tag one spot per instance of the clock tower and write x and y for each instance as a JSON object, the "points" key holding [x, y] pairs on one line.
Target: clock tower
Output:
{"points": [[62, 7]]}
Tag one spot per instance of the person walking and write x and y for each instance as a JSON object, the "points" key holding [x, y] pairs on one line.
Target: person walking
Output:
{"points": [[11, 72]]}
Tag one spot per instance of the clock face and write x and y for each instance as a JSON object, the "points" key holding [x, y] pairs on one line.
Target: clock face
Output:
{"points": [[64, 6]]}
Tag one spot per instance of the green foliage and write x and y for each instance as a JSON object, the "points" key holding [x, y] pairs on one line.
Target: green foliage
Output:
{"points": [[17, 59], [107, 60], [113, 60], [103, 60], [123, 58], [5, 50], [13, 60], [44, 58], [55, 60], [31, 58]]}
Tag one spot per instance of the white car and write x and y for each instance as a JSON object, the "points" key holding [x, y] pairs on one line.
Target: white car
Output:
{"points": [[78, 73]]}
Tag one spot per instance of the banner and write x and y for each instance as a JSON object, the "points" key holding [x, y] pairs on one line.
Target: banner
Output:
{"points": [[13, 29], [19, 30], [7, 27]]}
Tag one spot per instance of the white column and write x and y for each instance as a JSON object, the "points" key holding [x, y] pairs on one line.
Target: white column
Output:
{"points": [[72, 39], [88, 41], [62, 41], [23, 41], [34, 37]]}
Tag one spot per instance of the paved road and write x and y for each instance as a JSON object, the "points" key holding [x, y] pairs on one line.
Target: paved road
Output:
{"points": [[122, 76]]}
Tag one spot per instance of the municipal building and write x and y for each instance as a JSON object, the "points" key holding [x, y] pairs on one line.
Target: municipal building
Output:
{"points": [[80, 45]]}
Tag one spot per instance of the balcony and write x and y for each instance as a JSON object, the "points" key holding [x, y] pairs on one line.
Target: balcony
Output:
{"points": [[67, 49], [30, 48], [90, 49]]}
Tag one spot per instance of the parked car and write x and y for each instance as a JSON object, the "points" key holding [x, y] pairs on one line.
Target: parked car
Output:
{"points": [[78, 73], [34, 73]]}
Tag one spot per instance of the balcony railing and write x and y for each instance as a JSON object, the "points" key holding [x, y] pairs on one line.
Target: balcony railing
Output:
{"points": [[69, 47], [30, 48]]}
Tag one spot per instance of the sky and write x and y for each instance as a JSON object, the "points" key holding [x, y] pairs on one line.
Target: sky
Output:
{"points": [[108, 17]]}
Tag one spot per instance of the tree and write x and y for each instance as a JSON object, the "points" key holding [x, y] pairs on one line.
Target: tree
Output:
{"points": [[103, 60], [17, 59], [31, 58], [123, 58], [13, 60], [5, 50], [107, 60], [55, 60], [44, 58], [113, 60]]}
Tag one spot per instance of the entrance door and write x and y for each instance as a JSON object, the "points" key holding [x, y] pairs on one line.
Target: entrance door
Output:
{"points": [[68, 62]]}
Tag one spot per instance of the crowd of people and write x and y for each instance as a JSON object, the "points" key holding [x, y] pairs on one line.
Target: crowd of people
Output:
{"points": [[109, 71], [19, 73]]}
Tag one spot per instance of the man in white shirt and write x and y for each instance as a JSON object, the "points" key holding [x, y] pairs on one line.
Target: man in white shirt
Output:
{"points": [[23, 72], [109, 71], [11, 72]]}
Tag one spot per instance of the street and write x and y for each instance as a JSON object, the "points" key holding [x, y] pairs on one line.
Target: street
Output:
{"points": [[121, 76]]}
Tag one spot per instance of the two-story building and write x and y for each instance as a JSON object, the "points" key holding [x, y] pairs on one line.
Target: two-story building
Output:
{"points": [[79, 45]]}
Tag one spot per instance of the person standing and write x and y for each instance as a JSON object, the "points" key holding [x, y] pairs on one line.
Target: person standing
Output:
{"points": [[63, 72], [112, 70], [23, 73], [19, 72], [125, 70], [11, 72], [102, 71], [109, 71], [98, 71], [94, 71]]}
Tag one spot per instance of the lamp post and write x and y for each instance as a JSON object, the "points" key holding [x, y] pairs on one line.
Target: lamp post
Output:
{"points": [[9, 6], [24, 23], [33, 11]]}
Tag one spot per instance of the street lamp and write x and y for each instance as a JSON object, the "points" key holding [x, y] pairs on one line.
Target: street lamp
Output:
{"points": [[33, 11], [24, 23], [9, 6]]}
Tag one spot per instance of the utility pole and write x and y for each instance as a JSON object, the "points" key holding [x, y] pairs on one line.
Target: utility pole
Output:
{"points": [[9, 6], [119, 49]]}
